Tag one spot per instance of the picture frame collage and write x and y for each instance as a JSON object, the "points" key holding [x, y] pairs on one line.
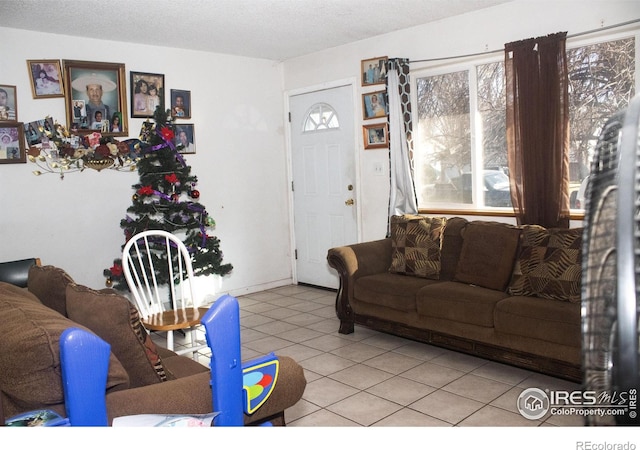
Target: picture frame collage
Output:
{"points": [[12, 142], [95, 95], [375, 106]]}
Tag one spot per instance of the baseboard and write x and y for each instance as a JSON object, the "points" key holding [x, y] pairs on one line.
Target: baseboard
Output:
{"points": [[259, 287]]}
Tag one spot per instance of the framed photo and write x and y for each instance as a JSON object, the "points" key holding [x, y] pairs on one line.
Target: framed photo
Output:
{"points": [[12, 148], [374, 71], [375, 136], [36, 131], [147, 93], [8, 103], [185, 140], [180, 104], [95, 96], [46, 78], [374, 105]]}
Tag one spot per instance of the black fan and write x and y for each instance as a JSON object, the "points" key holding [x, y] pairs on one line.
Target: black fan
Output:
{"points": [[611, 269]]}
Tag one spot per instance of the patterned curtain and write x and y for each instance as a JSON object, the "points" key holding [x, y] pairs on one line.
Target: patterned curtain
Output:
{"points": [[402, 198]]}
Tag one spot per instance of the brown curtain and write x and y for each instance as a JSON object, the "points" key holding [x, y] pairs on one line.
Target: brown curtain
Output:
{"points": [[538, 130]]}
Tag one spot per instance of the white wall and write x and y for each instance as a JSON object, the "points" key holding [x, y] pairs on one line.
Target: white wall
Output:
{"points": [[240, 163], [485, 30], [238, 115]]}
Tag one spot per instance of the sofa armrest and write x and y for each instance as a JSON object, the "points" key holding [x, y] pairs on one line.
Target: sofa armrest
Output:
{"points": [[352, 262], [192, 395], [188, 395]]}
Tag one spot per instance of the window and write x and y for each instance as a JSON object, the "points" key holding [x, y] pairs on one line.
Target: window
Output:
{"points": [[460, 146], [320, 117]]}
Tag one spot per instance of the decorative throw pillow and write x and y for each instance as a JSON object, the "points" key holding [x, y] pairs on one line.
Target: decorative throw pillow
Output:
{"points": [[416, 244], [550, 264], [113, 318], [488, 253], [49, 284]]}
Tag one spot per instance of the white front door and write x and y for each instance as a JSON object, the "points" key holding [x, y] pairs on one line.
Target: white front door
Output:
{"points": [[323, 155]]}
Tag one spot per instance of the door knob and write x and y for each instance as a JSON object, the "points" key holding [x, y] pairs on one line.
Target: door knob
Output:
{"points": [[349, 202]]}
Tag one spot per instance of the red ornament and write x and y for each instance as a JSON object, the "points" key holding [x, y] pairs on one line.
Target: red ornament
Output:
{"points": [[145, 190], [195, 193], [175, 197], [173, 179], [167, 133], [116, 270]]}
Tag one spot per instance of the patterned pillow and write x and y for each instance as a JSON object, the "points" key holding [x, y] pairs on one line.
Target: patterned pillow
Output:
{"points": [[550, 264], [416, 242], [114, 318]]}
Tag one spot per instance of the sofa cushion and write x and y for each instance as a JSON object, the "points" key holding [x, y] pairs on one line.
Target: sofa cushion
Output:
{"points": [[459, 302], [415, 244], [390, 290], [558, 322], [49, 284], [115, 319], [30, 374], [451, 247], [549, 264], [488, 254]]}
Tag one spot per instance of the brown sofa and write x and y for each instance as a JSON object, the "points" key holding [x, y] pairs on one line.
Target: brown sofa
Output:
{"points": [[502, 292], [143, 378]]}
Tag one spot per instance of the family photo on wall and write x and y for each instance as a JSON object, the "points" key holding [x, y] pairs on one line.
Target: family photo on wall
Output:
{"points": [[375, 136], [12, 149], [184, 138], [8, 107], [96, 97], [147, 93], [46, 78], [374, 71], [375, 105], [180, 104]]}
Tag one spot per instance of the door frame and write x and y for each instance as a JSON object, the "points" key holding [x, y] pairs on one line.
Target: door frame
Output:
{"points": [[349, 82]]}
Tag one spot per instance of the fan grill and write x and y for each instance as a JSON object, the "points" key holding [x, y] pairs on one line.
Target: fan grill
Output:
{"points": [[611, 267], [599, 266]]}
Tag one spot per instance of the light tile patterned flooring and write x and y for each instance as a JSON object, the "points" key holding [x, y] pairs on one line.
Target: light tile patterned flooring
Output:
{"points": [[372, 379]]}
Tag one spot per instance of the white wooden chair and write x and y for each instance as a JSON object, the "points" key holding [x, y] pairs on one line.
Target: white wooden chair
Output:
{"points": [[148, 258]]}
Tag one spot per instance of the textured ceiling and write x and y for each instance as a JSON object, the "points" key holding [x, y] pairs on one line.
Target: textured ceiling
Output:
{"points": [[269, 29]]}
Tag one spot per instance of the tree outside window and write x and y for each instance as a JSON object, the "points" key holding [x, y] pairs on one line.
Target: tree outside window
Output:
{"points": [[461, 158]]}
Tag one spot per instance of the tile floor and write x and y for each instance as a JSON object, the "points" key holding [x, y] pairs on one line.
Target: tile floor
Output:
{"points": [[372, 379]]}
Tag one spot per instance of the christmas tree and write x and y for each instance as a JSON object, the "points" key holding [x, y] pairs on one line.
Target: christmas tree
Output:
{"points": [[166, 199]]}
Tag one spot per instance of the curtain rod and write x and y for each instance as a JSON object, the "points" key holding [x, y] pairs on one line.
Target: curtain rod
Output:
{"points": [[488, 52]]}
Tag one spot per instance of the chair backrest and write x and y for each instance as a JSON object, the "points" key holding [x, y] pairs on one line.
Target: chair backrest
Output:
{"points": [[158, 270], [84, 359], [222, 325]]}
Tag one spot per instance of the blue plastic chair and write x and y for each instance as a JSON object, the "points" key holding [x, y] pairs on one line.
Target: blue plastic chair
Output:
{"points": [[236, 387], [85, 364]]}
